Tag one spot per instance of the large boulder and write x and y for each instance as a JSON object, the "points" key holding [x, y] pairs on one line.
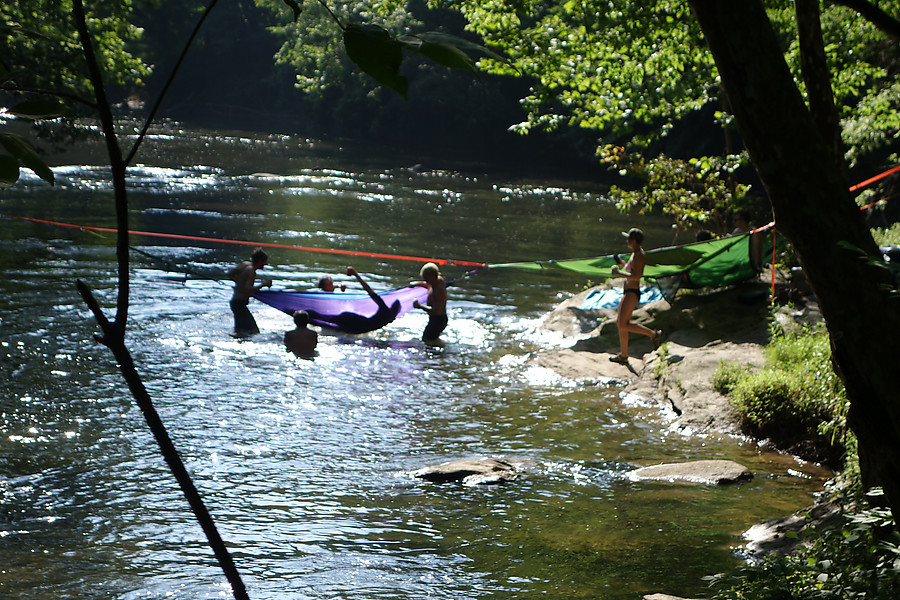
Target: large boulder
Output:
{"points": [[710, 472]]}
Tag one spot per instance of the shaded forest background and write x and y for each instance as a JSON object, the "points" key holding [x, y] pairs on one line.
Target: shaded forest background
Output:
{"points": [[230, 80]]}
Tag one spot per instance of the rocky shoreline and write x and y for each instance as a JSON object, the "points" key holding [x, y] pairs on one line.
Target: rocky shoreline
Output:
{"points": [[700, 331]]}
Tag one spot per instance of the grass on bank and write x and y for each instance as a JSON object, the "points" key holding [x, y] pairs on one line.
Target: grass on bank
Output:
{"points": [[797, 401]]}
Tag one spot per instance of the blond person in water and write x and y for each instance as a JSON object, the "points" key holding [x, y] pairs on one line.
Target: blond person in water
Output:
{"points": [[436, 306], [632, 270]]}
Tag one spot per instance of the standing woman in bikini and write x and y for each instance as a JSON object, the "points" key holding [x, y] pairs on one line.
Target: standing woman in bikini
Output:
{"points": [[632, 271]]}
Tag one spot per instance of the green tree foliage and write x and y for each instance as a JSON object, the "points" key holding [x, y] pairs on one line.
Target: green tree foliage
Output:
{"points": [[796, 400], [856, 555], [228, 75], [42, 53], [42, 72], [632, 71], [392, 82]]}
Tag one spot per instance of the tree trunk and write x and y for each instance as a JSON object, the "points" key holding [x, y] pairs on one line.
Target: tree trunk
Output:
{"points": [[816, 212], [817, 77]]}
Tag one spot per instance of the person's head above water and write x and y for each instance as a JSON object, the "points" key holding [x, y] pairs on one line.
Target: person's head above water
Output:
{"points": [[259, 257], [429, 270], [301, 318], [326, 283]]}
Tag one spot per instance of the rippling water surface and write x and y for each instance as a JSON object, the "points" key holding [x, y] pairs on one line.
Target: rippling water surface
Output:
{"points": [[305, 464]]}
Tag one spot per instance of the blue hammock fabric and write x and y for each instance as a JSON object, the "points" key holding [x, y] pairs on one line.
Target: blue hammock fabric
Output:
{"points": [[349, 312], [610, 297]]}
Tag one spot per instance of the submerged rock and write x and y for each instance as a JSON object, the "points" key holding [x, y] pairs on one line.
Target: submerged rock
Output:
{"points": [[711, 472], [471, 471]]}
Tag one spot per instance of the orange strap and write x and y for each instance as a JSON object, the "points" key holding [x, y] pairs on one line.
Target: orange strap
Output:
{"points": [[863, 184], [439, 261]]}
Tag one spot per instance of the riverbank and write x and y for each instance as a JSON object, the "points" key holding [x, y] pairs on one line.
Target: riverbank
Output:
{"points": [[700, 331]]}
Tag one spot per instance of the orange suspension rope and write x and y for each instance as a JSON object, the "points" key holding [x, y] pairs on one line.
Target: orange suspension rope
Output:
{"points": [[882, 175], [439, 261]]}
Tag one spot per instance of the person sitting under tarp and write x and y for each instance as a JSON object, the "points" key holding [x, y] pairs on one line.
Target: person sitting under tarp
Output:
{"points": [[351, 322]]}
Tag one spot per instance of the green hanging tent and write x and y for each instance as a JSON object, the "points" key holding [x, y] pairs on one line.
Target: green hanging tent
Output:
{"points": [[712, 263]]}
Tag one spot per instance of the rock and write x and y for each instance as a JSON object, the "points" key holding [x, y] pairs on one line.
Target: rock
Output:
{"points": [[782, 535], [471, 471], [711, 472]]}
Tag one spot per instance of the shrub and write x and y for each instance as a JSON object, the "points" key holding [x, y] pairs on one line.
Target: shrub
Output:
{"points": [[857, 557], [796, 401], [727, 376], [890, 235]]}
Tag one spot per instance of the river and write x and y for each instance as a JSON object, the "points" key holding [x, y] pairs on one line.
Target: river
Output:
{"points": [[305, 464]]}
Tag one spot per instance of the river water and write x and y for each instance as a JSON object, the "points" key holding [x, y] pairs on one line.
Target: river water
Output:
{"points": [[305, 464]]}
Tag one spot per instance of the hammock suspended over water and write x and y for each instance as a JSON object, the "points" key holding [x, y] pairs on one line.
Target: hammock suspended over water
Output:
{"points": [[347, 311], [713, 263]]}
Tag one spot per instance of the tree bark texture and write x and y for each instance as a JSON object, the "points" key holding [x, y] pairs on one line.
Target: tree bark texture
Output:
{"points": [[814, 209], [817, 77]]}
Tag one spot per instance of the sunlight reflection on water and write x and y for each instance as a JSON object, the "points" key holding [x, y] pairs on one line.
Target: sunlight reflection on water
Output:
{"points": [[305, 464]]}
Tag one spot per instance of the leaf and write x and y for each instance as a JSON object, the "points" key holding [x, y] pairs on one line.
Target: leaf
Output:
{"points": [[24, 151], [298, 10], [378, 54], [38, 109], [9, 170], [440, 52], [448, 50]]}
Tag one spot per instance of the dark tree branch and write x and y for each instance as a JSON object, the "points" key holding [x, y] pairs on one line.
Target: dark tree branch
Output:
{"points": [[114, 332], [6, 87], [817, 77], [884, 22], [117, 165], [815, 210], [167, 447]]}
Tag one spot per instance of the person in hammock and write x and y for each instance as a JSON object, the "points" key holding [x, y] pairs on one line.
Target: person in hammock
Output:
{"points": [[351, 322]]}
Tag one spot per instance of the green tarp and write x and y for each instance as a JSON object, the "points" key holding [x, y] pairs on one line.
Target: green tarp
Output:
{"points": [[713, 263]]}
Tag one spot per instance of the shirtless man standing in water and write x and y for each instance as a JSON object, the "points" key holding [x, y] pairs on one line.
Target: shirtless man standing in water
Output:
{"points": [[632, 271], [244, 277], [437, 302]]}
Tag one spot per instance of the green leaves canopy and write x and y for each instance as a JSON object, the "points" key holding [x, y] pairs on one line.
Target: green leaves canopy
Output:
{"points": [[312, 45], [630, 70], [41, 59]]}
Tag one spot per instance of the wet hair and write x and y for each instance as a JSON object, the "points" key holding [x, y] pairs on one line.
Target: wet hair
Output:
{"points": [[301, 318], [259, 255], [429, 268], [322, 281], [703, 235]]}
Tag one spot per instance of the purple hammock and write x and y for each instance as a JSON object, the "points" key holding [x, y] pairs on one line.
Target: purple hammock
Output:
{"points": [[349, 312]]}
